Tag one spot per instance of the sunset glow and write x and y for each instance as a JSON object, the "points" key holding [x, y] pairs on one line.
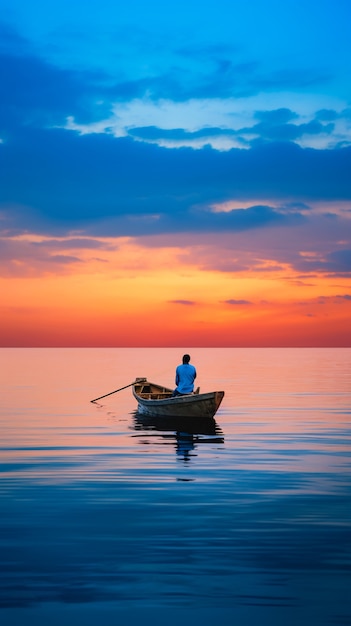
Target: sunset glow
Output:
{"points": [[194, 193], [141, 296]]}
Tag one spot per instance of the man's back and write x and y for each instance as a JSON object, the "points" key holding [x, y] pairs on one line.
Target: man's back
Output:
{"points": [[185, 376]]}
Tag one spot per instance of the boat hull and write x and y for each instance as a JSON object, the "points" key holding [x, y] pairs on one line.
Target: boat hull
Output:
{"points": [[156, 400]]}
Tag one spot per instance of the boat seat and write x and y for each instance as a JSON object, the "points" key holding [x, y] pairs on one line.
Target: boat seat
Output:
{"points": [[155, 396]]}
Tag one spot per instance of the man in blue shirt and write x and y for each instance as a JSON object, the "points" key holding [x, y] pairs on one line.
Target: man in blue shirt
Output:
{"points": [[185, 376]]}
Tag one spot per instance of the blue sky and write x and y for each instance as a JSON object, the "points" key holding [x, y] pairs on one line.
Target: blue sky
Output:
{"points": [[112, 108], [169, 122], [188, 74]]}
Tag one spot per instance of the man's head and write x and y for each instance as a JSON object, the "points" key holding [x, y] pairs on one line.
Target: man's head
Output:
{"points": [[186, 358]]}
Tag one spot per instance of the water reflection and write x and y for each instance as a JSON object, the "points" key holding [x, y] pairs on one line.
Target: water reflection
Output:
{"points": [[184, 433], [111, 517]]}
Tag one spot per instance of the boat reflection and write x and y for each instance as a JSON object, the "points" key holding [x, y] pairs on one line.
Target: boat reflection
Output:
{"points": [[184, 433]]}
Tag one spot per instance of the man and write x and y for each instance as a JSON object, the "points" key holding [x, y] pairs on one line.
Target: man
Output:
{"points": [[185, 376]]}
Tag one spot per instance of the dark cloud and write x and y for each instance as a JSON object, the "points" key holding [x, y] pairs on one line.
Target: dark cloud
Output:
{"points": [[336, 262], [228, 77], [301, 283], [57, 180], [295, 206], [37, 93], [237, 302], [326, 115], [84, 243], [225, 80], [276, 125], [273, 126], [336, 299], [277, 116], [339, 261], [329, 115], [183, 302], [25, 258], [153, 133], [62, 258], [346, 297]]}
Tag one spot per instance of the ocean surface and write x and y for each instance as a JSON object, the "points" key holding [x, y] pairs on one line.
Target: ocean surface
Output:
{"points": [[106, 518]]}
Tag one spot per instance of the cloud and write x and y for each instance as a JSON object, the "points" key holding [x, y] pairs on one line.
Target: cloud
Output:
{"points": [[34, 92], [288, 132], [83, 243], [346, 297], [338, 261], [222, 123], [183, 302], [65, 259], [326, 115], [338, 299], [153, 133], [296, 248], [117, 180], [238, 302], [276, 116], [201, 72], [71, 182], [23, 257], [271, 130], [214, 100]]}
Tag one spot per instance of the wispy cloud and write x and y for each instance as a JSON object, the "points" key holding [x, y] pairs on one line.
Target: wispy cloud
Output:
{"points": [[183, 302], [346, 297], [238, 302]]}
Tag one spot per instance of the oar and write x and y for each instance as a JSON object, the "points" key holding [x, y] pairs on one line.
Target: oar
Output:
{"points": [[111, 392]]}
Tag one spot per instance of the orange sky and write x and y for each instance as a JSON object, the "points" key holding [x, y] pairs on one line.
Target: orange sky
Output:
{"points": [[152, 292], [191, 192]]}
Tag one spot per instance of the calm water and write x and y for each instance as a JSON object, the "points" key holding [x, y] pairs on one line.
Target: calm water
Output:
{"points": [[107, 519]]}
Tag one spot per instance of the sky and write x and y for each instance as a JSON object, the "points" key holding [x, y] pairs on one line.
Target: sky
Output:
{"points": [[175, 173]]}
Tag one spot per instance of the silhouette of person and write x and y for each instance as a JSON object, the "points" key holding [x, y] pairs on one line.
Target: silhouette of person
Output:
{"points": [[185, 376]]}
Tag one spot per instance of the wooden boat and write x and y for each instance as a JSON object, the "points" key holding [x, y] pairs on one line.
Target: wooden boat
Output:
{"points": [[157, 400]]}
